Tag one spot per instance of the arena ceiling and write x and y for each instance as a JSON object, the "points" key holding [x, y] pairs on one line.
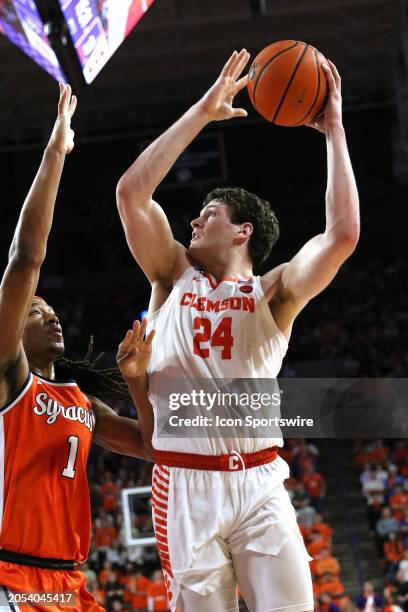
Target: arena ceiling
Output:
{"points": [[176, 50]]}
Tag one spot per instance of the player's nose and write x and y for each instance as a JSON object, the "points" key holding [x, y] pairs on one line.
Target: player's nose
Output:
{"points": [[196, 222], [52, 318]]}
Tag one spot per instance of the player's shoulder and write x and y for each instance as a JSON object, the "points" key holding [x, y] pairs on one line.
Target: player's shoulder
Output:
{"points": [[271, 282]]}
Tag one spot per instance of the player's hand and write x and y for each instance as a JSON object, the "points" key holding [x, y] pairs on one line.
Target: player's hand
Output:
{"points": [[62, 137], [332, 115], [135, 351], [217, 102]]}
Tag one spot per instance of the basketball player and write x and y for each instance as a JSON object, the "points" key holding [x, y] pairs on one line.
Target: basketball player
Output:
{"points": [[221, 511], [46, 427]]}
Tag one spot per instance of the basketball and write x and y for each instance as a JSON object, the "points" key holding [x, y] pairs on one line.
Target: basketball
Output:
{"points": [[287, 84]]}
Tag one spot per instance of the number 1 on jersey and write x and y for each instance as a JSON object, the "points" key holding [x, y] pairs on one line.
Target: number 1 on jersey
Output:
{"points": [[221, 337], [69, 469]]}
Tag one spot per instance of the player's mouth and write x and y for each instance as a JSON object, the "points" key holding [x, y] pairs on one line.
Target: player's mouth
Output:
{"points": [[194, 237], [56, 333]]}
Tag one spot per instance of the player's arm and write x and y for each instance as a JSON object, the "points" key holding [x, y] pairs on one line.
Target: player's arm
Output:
{"points": [[316, 264], [147, 230], [118, 434], [28, 249]]}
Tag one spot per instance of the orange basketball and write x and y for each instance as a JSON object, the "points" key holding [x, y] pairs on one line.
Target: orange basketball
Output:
{"points": [[287, 84]]}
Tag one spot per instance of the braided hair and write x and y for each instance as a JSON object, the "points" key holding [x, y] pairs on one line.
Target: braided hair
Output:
{"points": [[104, 383]]}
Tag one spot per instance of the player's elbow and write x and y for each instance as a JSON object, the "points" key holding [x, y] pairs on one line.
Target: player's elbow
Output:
{"points": [[349, 238], [344, 240], [123, 197], [130, 199], [26, 255]]}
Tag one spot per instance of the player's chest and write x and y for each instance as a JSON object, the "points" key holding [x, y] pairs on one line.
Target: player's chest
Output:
{"points": [[215, 321]]}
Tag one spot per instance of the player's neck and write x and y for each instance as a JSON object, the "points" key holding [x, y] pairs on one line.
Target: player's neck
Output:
{"points": [[46, 370], [236, 268]]}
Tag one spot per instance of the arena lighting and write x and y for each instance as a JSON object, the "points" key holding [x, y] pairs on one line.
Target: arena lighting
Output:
{"points": [[97, 29], [21, 23]]}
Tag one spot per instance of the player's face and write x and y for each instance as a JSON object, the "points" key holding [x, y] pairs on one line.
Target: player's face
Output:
{"points": [[42, 338], [212, 230]]}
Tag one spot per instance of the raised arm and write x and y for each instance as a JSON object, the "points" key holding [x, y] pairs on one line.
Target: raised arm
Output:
{"points": [[148, 232], [316, 264], [28, 249]]}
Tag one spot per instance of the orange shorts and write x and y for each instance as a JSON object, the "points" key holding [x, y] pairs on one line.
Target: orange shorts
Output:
{"points": [[17, 579]]}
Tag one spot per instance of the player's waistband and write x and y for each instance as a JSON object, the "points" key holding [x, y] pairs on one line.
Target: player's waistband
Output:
{"points": [[42, 562], [223, 463]]}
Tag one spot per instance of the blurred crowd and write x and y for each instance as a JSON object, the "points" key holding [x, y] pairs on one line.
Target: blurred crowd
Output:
{"points": [[384, 485]]}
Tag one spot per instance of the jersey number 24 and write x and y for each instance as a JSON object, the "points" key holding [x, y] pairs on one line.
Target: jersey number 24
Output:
{"points": [[221, 336]]}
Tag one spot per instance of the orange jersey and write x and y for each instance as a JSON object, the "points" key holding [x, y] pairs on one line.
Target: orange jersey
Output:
{"points": [[157, 596], [45, 436]]}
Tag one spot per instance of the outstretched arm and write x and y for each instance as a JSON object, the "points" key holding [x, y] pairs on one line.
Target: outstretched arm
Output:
{"points": [[147, 230], [316, 264], [28, 249], [118, 434]]}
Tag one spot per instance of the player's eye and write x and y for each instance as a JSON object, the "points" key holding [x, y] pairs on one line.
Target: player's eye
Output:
{"points": [[35, 311]]}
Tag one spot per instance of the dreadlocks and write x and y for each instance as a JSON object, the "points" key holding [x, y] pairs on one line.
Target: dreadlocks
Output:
{"points": [[107, 383]]}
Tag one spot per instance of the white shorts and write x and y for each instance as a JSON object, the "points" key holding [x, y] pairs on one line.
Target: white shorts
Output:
{"points": [[202, 518]]}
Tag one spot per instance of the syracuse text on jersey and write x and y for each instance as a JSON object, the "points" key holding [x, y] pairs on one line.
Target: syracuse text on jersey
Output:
{"points": [[52, 409]]}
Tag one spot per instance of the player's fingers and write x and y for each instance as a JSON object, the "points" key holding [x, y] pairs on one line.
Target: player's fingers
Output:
{"points": [[142, 329], [242, 82], [62, 98], [135, 330], [241, 62], [72, 106], [239, 112], [150, 337], [227, 68], [336, 74], [124, 345], [329, 76]]}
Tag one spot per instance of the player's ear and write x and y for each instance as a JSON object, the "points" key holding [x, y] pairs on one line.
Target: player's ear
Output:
{"points": [[247, 229], [244, 233]]}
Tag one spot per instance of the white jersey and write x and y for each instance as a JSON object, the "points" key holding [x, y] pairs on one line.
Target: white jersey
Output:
{"points": [[210, 331]]}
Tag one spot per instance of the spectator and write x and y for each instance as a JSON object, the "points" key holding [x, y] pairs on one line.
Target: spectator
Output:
{"points": [[399, 502], [393, 553], [385, 525], [315, 487], [300, 496], [324, 603], [326, 564], [323, 528], [330, 585], [156, 593], [316, 544], [369, 600], [402, 573], [113, 590], [404, 528]]}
